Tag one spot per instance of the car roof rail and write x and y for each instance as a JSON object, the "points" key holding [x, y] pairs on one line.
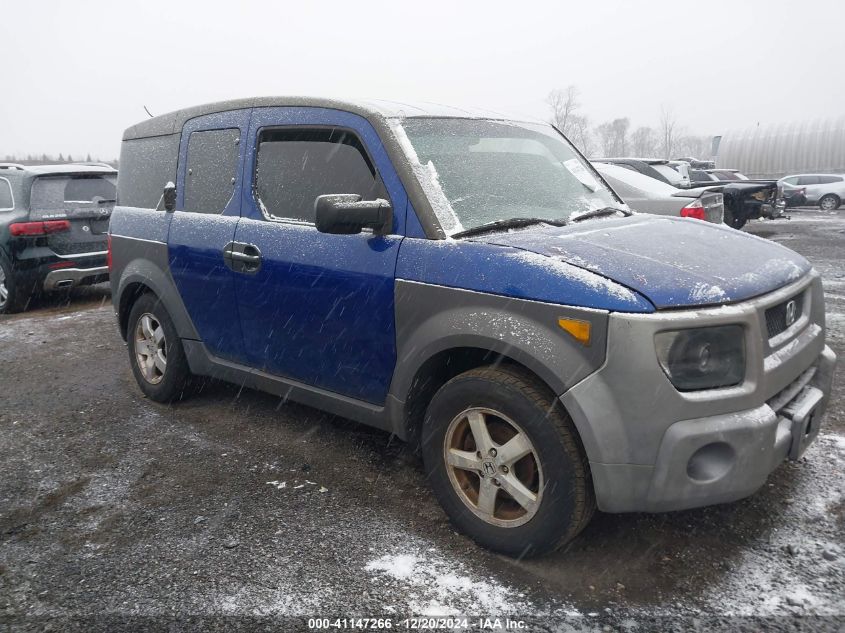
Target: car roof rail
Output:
{"points": [[96, 164], [13, 166]]}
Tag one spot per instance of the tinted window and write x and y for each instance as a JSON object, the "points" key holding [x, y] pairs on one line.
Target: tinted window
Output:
{"points": [[699, 176], [295, 165], [146, 165], [63, 195], [808, 180], [211, 170], [823, 180], [6, 201]]}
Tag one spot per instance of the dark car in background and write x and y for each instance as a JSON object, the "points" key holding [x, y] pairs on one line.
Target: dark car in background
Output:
{"points": [[54, 222]]}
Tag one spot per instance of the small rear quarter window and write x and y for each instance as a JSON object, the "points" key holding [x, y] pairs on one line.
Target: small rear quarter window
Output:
{"points": [[146, 166]]}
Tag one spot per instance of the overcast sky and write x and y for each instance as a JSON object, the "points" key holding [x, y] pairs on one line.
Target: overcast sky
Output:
{"points": [[77, 73]]}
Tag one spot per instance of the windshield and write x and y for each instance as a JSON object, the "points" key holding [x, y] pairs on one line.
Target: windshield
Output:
{"points": [[60, 196], [480, 171], [669, 172]]}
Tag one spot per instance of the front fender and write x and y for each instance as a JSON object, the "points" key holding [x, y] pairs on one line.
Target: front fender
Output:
{"points": [[431, 319]]}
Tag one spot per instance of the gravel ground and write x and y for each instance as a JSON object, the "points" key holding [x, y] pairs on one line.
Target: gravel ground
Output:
{"points": [[234, 510]]}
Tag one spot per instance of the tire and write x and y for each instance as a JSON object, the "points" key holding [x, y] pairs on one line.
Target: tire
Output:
{"points": [[732, 221], [151, 335], [13, 297], [829, 202], [554, 472]]}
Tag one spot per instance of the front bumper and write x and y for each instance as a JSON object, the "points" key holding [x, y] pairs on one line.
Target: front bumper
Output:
{"points": [[653, 449]]}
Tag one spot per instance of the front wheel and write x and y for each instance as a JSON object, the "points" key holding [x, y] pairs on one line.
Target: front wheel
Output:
{"points": [[155, 351], [505, 462]]}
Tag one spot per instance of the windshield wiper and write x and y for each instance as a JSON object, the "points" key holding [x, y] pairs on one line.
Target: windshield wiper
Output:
{"points": [[597, 213], [510, 223]]}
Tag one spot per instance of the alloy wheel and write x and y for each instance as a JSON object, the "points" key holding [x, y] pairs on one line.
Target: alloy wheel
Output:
{"points": [[828, 203], [493, 467], [150, 348], [4, 290]]}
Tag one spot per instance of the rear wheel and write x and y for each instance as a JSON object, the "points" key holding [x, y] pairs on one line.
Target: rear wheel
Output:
{"points": [[829, 202], [732, 220], [505, 462], [155, 351], [13, 298]]}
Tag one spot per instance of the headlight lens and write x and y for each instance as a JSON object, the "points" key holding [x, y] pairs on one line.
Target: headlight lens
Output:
{"points": [[702, 358]]}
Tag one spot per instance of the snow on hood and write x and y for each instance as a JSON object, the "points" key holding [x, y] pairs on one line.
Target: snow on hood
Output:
{"points": [[673, 262]]}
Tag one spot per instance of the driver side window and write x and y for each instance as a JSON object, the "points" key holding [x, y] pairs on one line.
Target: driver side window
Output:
{"points": [[295, 165]]}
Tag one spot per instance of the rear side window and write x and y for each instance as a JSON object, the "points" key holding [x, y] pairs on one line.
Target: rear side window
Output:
{"points": [[823, 180], [146, 166], [211, 170], [7, 201], [295, 165], [808, 180]]}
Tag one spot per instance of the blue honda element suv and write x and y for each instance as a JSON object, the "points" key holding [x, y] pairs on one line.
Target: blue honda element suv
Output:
{"points": [[470, 284]]}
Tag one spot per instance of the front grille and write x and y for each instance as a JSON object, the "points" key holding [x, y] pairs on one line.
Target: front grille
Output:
{"points": [[776, 317]]}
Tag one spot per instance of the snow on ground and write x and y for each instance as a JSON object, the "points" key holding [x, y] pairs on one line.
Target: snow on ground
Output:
{"points": [[437, 586], [759, 585]]}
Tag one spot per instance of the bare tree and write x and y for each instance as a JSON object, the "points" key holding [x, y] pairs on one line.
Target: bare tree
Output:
{"points": [[620, 136], [580, 134], [668, 126], [606, 137], [564, 104], [693, 146], [644, 142]]}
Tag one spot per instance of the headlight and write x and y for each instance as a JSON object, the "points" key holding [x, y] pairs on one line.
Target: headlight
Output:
{"points": [[702, 358]]}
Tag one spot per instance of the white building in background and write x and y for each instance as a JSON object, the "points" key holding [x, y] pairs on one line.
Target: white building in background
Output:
{"points": [[772, 151]]}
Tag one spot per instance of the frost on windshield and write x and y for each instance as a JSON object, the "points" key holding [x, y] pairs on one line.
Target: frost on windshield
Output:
{"points": [[477, 172], [430, 183]]}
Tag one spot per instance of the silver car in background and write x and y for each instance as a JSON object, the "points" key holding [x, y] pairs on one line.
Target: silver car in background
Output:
{"points": [[825, 190], [649, 195]]}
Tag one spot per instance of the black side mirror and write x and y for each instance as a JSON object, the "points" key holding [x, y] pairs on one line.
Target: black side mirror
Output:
{"points": [[169, 197], [344, 213]]}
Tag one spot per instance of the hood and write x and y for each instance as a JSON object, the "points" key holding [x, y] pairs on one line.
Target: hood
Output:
{"points": [[673, 262]]}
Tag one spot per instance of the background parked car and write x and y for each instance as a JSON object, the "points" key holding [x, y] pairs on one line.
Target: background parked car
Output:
{"points": [[54, 222], [792, 195], [727, 174], [649, 195], [675, 173], [825, 190]]}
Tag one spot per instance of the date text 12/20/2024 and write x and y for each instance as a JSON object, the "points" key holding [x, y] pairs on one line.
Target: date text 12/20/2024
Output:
{"points": [[418, 624]]}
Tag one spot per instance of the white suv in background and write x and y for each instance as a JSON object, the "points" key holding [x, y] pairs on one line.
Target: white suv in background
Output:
{"points": [[825, 190]]}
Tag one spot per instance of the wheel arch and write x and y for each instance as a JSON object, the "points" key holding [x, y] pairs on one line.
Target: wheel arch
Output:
{"points": [[441, 365], [142, 276]]}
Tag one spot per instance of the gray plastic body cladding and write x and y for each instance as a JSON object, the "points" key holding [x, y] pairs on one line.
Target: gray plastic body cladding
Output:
{"points": [[139, 255], [625, 410], [431, 319]]}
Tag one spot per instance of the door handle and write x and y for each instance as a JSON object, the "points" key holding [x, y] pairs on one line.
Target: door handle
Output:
{"points": [[242, 257]]}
